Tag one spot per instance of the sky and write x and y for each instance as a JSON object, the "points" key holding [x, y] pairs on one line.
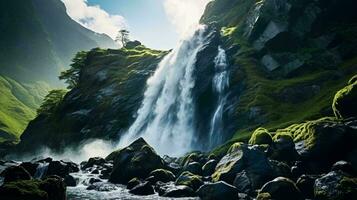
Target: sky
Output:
{"points": [[158, 24]]}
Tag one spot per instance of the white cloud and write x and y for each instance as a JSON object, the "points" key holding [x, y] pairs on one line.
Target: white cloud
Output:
{"points": [[94, 18], [184, 14]]}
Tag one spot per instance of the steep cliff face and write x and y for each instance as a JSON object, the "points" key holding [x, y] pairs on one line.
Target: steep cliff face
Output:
{"points": [[38, 40], [291, 57], [109, 92]]}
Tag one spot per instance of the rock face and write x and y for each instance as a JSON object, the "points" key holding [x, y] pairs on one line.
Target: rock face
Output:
{"points": [[282, 189], [136, 160], [344, 104], [217, 191]]}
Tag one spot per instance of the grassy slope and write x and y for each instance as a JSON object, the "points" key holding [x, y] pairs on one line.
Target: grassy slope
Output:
{"points": [[18, 106], [261, 89]]}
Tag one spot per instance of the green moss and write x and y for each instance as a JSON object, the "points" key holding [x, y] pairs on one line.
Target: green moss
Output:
{"points": [[25, 189], [345, 101], [261, 136], [189, 179], [263, 196]]}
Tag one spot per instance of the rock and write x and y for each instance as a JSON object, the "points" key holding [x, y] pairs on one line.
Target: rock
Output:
{"points": [[58, 168], [143, 189], [136, 160], [269, 62], [95, 171], [70, 181], [161, 175], [94, 180], [93, 161], [343, 166], [261, 136], [264, 196], [280, 169], [345, 101], [209, 167], [132, 44], [281, 189], [217, 191], [335, 186], [272, 30], [30, 167], [306, 185], [242, 183], [189, 179], [194, 168], [193, 157], [283, 148], [132, 183], [102, 187], [15, 173], [242, 196], [174, 191], [298, 169], [243, 157], [54, 187]]}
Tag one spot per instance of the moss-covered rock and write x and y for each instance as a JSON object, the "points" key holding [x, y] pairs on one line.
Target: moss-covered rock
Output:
{"points": [[261, 136], [161, 175], [136, 160], [15, 173], [281, 189], [217, 191], [345, 101], [189, 179]]}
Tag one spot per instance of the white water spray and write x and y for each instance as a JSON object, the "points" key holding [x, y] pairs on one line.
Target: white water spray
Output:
{"points": [[220, 85], [166, 117]]}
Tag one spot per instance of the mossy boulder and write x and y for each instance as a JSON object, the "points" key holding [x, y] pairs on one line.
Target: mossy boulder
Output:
{"points": [[136, 160], [281, 189], [345, 102], [161, 175], [217, 191], [244, 157], [52, 188], [261, 136], [144, 188], [189, 179], [132, 183], [172, 190], [15, 173], [209, 167], [336, 186]]}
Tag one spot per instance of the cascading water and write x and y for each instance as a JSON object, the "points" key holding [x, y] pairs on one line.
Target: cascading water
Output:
{"points": [[166, 116], [41, 170], [220, 84]]}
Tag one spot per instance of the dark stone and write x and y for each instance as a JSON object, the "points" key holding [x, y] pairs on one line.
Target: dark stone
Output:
{"points": [[209, 167], [30, 167], [143, 189], [15, 173], [93, 161], [343, 166], [306, 185], [136, 160], [133, 183], [58, 168], [94, 180], [194, 168], [243, 183], [102, 187], [282, 189], [54, 187], [189, 179], [161, 175], [175, 191], [283, 149], [70, 181], [217, 191]]}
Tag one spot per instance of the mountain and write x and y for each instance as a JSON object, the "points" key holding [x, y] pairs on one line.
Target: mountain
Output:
{"points": [[286, 60], [38, 40]]}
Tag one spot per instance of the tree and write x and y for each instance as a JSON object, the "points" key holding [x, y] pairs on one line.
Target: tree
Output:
{"points": [[122, 37], [51, 102], [71, 76]]}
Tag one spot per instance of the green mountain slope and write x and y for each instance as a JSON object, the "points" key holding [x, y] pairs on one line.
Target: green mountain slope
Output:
{"points": [[18, 106], [38, 39]]}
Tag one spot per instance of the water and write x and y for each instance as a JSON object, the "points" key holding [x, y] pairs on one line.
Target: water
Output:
{"points": [[166, 117], [220, 86], [41, 170]]}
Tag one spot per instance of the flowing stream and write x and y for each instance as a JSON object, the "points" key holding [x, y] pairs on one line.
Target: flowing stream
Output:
{"points": [[220, 85], [166, 117]]}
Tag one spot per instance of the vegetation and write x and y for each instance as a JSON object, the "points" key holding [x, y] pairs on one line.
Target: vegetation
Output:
{"points": [[261, 136], [51, 102], [122, 37], [344, 104], [71, 76]]}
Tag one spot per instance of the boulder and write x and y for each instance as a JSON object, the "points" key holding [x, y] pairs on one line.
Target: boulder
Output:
{"points": [[93, 161], [161, 175], [343, 166], [217, 191], [136, 160], [30, 167], [335, 186], [61, 168], [283, 148], [243, 157], [70, 181], [143, 189], [132, 183], [345, 101], [243, 183], [102, 186], [305, 183], [15, 173], [261, 136], [174, 191], [281, 189], [209, 167], [194, 168], [52, 188], [189, 179]]}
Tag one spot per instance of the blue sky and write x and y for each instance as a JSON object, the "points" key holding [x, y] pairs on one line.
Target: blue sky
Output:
{"points": [[156, 23], [146, 20]]}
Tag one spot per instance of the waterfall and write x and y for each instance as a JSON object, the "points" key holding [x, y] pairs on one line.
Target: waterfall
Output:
{"points": [[220, 84], [41, 170], [166, 117]]}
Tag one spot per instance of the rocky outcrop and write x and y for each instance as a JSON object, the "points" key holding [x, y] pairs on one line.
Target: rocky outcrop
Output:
{"points": [[344, 104]]}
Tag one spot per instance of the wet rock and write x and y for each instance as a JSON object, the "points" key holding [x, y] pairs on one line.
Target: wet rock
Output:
{"points": [[102, 187], [335, 186], [174, 191], [343, 166], [136, 160], [243, 183], [70, 181], [217, 191], [344, 104], [54, 187], [94, 180], [132, 183], [243, 196], [260, 136], [30, 167], [283, 148], [58, 168], [143, 189], [281, 189], [209, 167], [306, 185], [15, 173], [194, 168], [161, 175], [243, 157], [93, 161], [280, 169], [189, 179]]}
